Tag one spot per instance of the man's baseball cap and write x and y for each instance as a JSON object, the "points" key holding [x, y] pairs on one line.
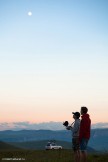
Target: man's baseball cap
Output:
{"points": [[76, 114]]}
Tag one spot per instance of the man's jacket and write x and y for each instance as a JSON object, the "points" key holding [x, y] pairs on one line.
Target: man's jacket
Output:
{"points": [[85, 126], [75, 128]]}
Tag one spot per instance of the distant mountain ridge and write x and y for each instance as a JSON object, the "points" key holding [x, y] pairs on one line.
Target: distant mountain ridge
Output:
{"points": [[98, 140], [45, 126], [34, 135]]}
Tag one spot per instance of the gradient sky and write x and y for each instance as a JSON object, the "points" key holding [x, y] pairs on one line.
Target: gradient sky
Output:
{"points": [[54, 61]]}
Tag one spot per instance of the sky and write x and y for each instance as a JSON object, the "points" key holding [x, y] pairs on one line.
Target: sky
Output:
{"points": [[53, 60]]}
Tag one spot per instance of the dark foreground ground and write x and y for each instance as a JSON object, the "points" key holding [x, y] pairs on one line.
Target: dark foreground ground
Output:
{"points": [[46, 156]]}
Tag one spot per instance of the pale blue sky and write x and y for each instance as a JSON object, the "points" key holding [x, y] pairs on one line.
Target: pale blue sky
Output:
{"points": [[55, 60]]}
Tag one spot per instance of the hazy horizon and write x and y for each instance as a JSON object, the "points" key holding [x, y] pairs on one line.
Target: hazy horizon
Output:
{"points": [[51, 125], [53, 60]]}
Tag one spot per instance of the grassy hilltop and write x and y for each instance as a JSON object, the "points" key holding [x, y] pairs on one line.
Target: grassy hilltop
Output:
{"points": [[47, 156], [28, 153]]}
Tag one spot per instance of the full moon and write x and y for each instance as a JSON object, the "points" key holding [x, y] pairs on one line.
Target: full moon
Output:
{"points": [[29, 13]]}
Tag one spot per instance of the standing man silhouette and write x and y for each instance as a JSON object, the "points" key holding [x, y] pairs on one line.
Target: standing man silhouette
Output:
{"points": [[74, 127], [84, 133]]}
